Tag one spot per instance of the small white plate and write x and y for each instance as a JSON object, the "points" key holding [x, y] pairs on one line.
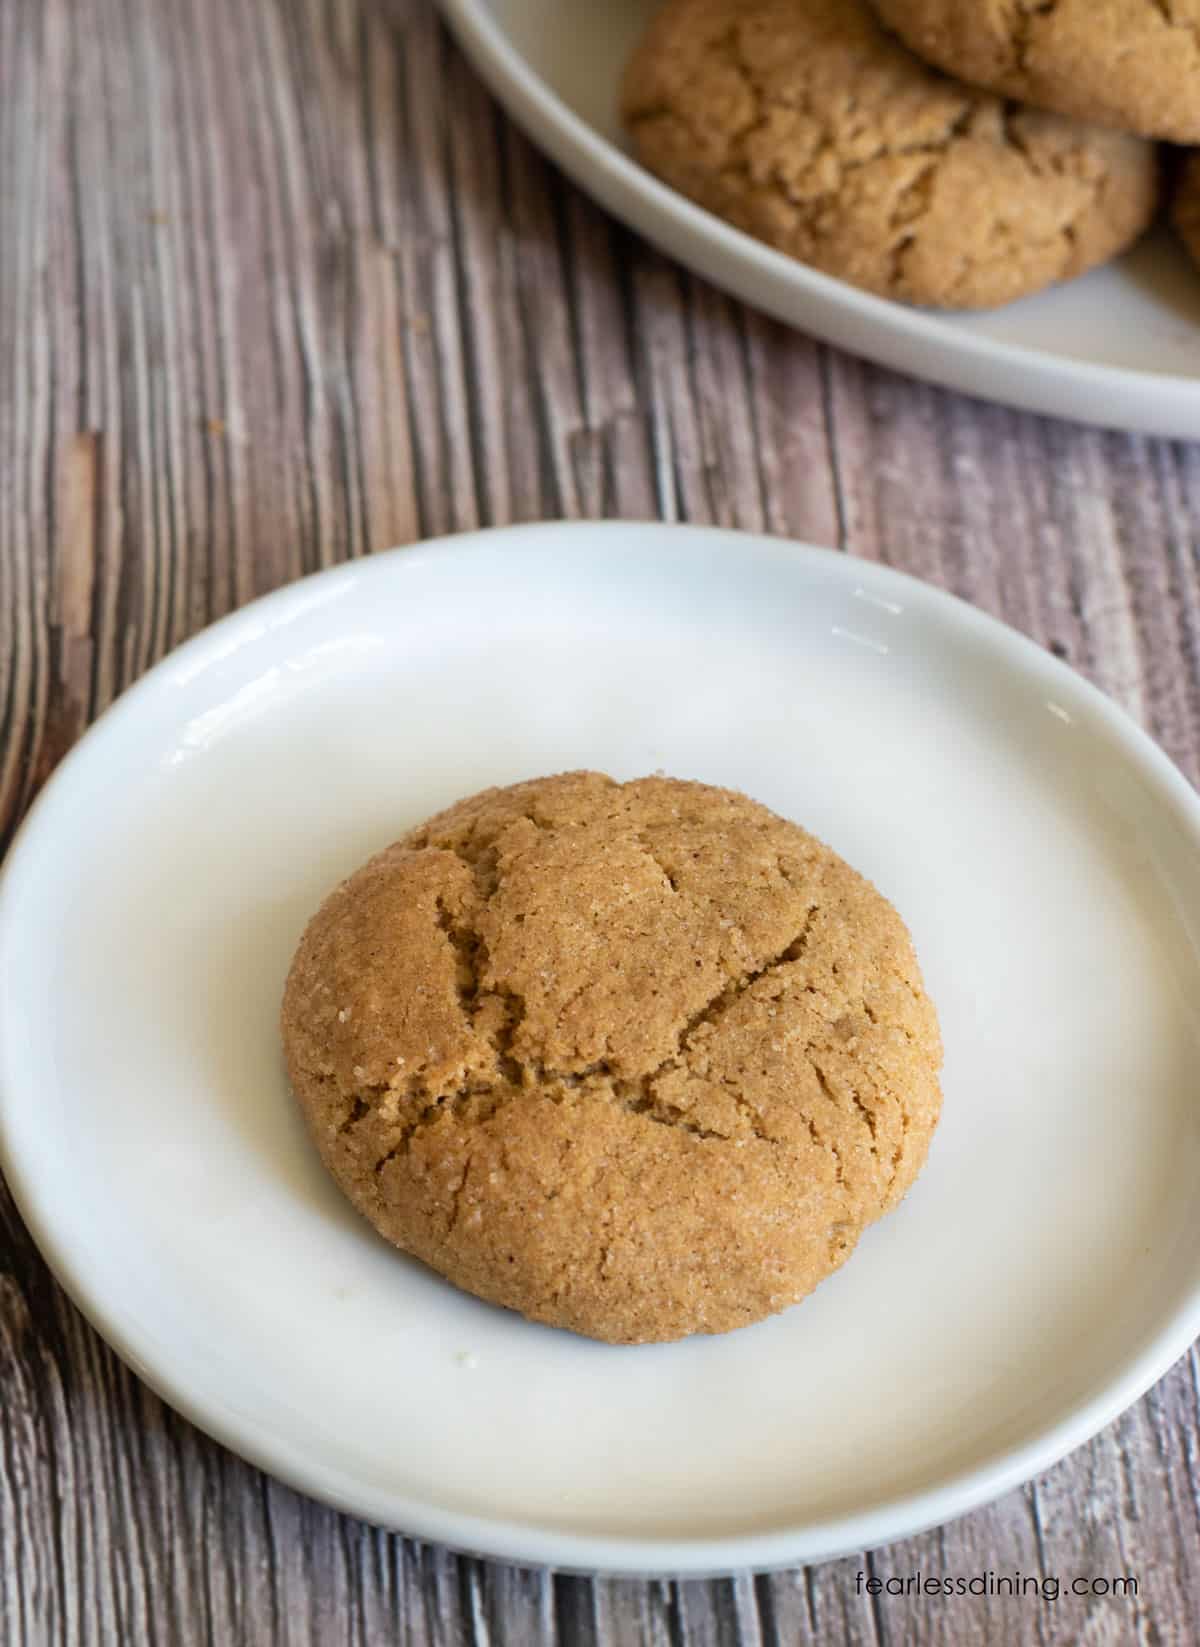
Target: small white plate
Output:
{"points": [[1121, 347], [1044, 1270]]}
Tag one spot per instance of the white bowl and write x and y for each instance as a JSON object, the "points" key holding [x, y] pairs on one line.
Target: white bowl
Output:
{"points": [[1042, 1273], [1120, 347]]}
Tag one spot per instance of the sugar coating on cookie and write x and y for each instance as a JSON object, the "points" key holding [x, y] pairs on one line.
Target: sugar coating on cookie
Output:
{"points": [[1132, 64], [802, 122], [640, 1060], [1185, 207]]}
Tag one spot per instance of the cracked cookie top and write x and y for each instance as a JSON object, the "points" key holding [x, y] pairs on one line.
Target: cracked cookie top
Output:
{"points": [[805, 124], [1133, 64], [637, 1059]]}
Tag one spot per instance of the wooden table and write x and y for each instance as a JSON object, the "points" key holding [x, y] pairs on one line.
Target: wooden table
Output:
{"points": [[279, 286]]}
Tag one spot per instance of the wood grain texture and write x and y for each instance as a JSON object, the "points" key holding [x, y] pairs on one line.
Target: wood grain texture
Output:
{"points": [[279, 286]]}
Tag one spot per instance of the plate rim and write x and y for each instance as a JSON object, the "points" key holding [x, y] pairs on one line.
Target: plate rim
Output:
{"points": [[875, 328], [520, 1541]]}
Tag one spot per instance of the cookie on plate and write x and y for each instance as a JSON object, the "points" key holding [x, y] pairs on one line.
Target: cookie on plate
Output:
{"points": [[805, 124], [640, 1060], [1185, 206], [1133, 64]]}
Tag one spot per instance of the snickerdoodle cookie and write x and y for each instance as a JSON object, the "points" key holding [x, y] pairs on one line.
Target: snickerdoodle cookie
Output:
{"points": [[1134, 64], [1185, 207], [638, 1059], [804, 123]]}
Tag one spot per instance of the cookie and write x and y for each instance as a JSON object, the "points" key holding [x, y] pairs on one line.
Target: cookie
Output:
{"points": [[1132, 64], [805, 124], [640, 1060], [1185, 207]]}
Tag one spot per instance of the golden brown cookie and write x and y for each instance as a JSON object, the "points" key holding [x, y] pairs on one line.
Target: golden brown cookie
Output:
{"points": [[1133, 64], [804, 123], [640, 1059], [1185, 207]]}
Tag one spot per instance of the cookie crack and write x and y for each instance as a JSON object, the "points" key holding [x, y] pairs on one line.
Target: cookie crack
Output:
{"points": [[503, 1038], [868, 1116], [638, 1096], [670, 1115], [362, 1099], [435, 1108], [456, 1197], [481, 858], [918, 194], [826, 1088], [465, 941], [471, 961], [358, 1110], [645, 846], [715, 1009], [830, 1144], [470, 958]]}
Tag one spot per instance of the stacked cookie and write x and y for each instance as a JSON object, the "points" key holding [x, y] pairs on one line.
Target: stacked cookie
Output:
{"points": [[957, 156]]}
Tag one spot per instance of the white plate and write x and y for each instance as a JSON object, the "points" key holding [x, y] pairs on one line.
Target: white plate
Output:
{"points": [[1043, 1272], [1120, 347]]}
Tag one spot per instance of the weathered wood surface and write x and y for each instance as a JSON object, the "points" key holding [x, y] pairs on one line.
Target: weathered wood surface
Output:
{"points": [[278, 286]]}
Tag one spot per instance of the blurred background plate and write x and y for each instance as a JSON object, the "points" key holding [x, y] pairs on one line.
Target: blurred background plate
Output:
{"points": [[1120, 347]]}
